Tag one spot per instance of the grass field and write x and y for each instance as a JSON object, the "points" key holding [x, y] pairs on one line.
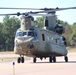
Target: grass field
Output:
{"points": [[10, 59], [11, 52], [7, 59]]}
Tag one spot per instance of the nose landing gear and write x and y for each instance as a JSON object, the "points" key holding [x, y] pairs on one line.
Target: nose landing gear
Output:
{"points": [[20, 59]]}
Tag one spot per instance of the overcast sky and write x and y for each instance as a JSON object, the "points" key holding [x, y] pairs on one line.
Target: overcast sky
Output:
{"points": [[67, 15]]}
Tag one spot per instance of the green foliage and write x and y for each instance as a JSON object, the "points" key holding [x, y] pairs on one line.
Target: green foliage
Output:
{"points": [[1, 27], [9, 27], [62, 23], [74, 25], [73, 38], [39, 22]]}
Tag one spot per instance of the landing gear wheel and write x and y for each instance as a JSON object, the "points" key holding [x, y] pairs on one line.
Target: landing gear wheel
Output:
{"points": [[19, 59], [54, 59], [22, 59], [50, 59], [34, 60], [66, 59]]}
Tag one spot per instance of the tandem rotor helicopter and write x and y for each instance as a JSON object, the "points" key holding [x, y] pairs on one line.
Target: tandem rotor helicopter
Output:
{"points": [[39, 42]]}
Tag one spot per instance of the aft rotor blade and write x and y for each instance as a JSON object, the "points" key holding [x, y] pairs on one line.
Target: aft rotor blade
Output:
{"points": [[59, 9], [45, 9], [56, 9], [26, 8], [20, 8], [53, 10]]}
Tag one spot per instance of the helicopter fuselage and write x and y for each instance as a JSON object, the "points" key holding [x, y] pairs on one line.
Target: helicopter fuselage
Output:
{"points": [[39, 43]]}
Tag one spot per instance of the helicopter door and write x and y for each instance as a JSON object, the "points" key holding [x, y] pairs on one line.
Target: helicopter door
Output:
{"points": [[43, 37], [46, 23]]}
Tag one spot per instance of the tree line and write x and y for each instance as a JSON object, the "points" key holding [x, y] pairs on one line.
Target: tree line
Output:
{"points": [[7, 33], [10, 24]]}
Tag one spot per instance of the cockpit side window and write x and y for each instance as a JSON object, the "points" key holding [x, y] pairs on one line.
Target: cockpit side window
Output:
{"points": [[21, 34], [30, 33], [18, 34]]}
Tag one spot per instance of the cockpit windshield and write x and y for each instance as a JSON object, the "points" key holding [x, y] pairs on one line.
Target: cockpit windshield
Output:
{"points": [[29, 33], [24, 33]]}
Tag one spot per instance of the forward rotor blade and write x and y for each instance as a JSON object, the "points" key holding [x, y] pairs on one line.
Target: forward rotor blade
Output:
{"points": [[18, 14], [41, 15], [26, 14], [7, 14]]}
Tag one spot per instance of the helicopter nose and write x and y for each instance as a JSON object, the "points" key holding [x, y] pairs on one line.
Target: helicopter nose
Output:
{"points": [[23, 40]]}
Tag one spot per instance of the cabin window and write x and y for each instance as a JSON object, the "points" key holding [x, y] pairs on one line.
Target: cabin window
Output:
{"points": [[43, 37], [58, 41]]}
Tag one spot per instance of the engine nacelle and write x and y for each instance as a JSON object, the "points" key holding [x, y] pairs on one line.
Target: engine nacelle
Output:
{"points": [[59, 29]]}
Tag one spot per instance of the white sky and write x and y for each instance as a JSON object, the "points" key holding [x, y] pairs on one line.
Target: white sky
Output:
{"points": [[67, 15]]}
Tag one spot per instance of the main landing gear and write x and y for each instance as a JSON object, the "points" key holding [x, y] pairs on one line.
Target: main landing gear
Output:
{"points": [[34, 60], [20, 59], [66, 59], [52, 59]]}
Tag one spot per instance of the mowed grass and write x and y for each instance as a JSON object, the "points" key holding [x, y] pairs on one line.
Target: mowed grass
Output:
{"points": [[7, 59], [10, 59], [7, 52]]}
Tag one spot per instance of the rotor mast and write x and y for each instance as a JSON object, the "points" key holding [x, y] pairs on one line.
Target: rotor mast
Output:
{"points": [[26, 22]]}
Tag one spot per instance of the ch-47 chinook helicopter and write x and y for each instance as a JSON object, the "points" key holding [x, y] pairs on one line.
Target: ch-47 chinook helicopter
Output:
{"points": [[39, 42]]}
